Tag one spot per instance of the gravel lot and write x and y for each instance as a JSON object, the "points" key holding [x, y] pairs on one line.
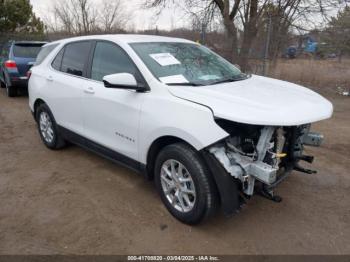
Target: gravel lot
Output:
{"points": [[74, 202]]}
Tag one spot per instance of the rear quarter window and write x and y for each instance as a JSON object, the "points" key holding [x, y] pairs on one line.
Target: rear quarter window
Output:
{"points": [[75, 58], [57, 62], [44, 52], [26, 50]]}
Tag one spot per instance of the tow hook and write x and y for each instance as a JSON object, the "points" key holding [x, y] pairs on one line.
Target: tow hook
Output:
{"points": [[269, 194], [308, 159], [299, 168]]}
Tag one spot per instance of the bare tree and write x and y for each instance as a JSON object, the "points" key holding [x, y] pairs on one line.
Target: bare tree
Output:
{"points": [[113, 16], [63, 14], [245, 16], [79, 17], [84, 16]]}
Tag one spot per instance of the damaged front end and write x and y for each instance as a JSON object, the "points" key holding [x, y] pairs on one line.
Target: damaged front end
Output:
{"points": [[258, 158]]}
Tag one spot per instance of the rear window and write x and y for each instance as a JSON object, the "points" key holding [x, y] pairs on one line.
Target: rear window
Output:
{"points": [[44, 52], [26, 50]]}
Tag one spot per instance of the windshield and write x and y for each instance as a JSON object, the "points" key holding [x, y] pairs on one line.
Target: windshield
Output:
{"points": [[186, 63], [26, 50]]}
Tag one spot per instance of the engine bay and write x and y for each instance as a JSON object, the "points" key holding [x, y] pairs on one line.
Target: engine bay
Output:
{"points": [[263, 154]]}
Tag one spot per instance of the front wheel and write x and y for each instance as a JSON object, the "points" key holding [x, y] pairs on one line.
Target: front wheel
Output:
{"points": [[185, 184]]}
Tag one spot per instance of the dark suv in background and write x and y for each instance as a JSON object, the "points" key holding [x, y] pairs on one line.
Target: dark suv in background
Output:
{"points": [[16, 58]]}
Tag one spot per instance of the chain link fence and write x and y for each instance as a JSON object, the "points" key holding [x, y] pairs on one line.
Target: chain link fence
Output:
{"points": [[306, 70]]}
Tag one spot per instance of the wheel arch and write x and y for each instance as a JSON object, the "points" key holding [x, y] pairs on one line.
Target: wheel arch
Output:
{"points": [[6, 77], [156, 146], [227, 188], [36, 105]]}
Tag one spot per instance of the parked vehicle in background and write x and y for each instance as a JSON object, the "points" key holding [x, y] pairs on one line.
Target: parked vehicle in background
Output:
{"points": [[208, 134], [290, 52], [16, 58]]}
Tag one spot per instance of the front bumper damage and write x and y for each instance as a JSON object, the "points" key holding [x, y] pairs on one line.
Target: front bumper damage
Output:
{"points": [[277, 151]]}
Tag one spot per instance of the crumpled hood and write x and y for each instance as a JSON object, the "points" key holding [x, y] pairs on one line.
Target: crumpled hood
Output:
{"points": [[259, 101]]}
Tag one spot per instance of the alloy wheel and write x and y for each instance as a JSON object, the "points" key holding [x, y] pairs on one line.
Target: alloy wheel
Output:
{"points": [[178, 186], [46, 127]]}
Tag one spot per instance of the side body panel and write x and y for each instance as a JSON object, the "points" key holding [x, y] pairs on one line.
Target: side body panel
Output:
{"points": [[62, 93], [165, 115], [111, 117]]}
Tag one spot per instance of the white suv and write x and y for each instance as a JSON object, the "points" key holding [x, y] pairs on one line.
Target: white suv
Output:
{"points": [[208, 134]]}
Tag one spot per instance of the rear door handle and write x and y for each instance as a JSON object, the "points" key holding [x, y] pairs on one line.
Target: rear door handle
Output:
{"points": [[89, 90], [49, 78]]}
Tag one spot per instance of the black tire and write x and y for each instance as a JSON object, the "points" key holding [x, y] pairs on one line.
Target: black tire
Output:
{"points": [[57, 141], [2, 83], [11, 90], [206, 201]]}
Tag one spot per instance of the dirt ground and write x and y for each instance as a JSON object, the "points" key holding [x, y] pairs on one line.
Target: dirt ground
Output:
{"points": [[74, 202]]}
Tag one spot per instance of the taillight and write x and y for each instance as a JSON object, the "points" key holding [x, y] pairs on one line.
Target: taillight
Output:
{"points": [[10, 64], [29, 73]]}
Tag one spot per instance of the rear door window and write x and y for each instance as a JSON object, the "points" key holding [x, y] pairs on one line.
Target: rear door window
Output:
{"points": [[75, 58], [44, 52], [26, 50]]}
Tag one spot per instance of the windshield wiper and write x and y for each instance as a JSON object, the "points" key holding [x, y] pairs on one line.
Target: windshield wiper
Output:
{"points": [[184, 84], [231, 79], [226, 80]]}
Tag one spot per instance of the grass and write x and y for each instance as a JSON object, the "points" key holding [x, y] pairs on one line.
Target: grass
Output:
{"points": [[329, 74]]}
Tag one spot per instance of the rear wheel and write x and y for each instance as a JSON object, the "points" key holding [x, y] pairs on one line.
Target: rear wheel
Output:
{"points": [[2, 83], [11, 91], [48, 128], [185, 184]]}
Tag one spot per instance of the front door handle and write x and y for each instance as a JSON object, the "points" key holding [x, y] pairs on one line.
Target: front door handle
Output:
{"points": [[89, 90]]}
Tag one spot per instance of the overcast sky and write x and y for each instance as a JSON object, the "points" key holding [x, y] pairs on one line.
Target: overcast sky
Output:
{"points": [[142, 19]]}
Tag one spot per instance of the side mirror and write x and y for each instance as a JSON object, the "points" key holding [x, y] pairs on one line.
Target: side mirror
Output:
{"points": [[122, 80]]}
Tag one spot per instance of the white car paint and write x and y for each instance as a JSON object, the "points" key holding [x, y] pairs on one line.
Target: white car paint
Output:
{"points": [[121, 79], [88, 108], [260, 101]]}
